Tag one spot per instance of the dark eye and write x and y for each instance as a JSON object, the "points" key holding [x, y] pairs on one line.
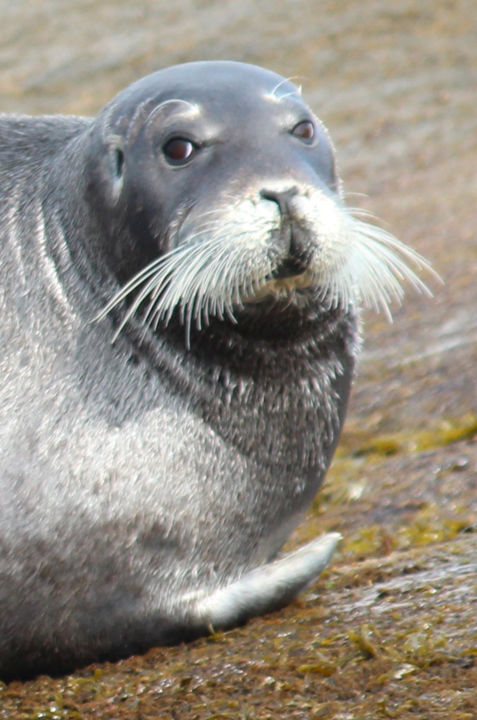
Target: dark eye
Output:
{"points": [[178, 151], [305, 130]]}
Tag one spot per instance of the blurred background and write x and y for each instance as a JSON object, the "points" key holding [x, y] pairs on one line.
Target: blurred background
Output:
{"points": [[393, 80]]}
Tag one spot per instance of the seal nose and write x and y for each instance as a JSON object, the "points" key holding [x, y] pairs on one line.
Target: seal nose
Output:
{"points": [[282, 198], [296, 260]]}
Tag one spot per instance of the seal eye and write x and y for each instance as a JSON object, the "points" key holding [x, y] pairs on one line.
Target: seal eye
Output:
{"points": [[178, 151], [305, 130]]}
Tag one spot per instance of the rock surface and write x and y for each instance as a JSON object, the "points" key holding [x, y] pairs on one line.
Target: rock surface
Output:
{"points": [[390, 631]]}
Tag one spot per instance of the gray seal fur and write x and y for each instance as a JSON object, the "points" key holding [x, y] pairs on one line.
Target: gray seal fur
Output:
{"points": [[179, 286]]}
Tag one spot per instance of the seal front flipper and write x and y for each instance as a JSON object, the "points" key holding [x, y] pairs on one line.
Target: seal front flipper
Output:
{"points": [[268, 587]]}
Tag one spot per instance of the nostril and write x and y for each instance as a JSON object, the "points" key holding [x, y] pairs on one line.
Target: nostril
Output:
{"points": [[281, 197]]}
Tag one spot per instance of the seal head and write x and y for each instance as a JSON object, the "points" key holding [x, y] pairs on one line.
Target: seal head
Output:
{"points": [[225, 163]]}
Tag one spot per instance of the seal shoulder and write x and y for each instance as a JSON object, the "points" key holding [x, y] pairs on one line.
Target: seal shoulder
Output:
{"points": [[27, 139]]}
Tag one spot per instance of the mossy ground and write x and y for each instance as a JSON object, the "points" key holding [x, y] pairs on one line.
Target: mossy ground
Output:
{"points": [[381, 638]]}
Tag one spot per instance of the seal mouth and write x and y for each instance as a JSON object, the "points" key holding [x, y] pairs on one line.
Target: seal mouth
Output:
{"points": [[292, 273], [290, 267], [281, 285]]}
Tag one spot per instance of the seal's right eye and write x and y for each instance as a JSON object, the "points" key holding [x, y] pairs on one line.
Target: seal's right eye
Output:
{"points": [[305, 131], [179, 151]]}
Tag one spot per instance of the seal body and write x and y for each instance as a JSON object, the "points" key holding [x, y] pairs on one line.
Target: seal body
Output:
{"points": [[155, 458]]}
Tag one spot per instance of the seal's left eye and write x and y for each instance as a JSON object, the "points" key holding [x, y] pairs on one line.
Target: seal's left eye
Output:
{"points": [[305, 130], [178, 151]]}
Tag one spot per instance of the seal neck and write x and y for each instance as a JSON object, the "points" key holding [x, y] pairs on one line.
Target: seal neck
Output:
{"points": [[256, 391]]}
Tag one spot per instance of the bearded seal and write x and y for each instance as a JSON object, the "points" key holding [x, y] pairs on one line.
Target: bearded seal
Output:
{"points": [[180, 284]]}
